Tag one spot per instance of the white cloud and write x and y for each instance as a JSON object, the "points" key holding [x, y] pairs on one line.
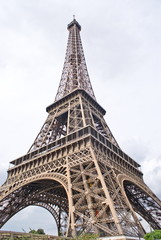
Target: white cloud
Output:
{"points": [[151, 167]]}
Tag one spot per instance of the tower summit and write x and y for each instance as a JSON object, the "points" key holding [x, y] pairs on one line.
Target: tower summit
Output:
{"points": [[75, 169], [75, 74]]}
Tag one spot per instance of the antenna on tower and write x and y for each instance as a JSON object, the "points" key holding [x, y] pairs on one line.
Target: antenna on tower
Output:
{"points": [[73, 17]]}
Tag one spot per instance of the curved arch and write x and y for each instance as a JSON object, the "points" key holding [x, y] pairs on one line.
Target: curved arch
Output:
{"points": [[47, 192], [142, 200], [60, 220], [52, 208], [51, 176]]}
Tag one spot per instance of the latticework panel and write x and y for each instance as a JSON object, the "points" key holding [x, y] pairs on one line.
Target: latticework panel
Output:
{"points": [[69, 116], [98, 203]]}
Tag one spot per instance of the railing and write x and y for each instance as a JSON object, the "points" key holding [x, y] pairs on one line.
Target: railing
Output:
{"points": [[83, 132], [7, 235]]}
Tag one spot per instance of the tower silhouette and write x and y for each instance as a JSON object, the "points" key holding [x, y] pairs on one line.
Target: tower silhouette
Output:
{"points": [[75, 168]]}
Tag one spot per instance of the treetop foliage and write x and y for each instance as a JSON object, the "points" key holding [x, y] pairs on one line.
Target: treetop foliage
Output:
{"points": [[39, 231], [156, 234]]}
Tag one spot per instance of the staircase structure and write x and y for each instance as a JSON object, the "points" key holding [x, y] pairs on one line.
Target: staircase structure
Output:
{"points": [[75, 168]]}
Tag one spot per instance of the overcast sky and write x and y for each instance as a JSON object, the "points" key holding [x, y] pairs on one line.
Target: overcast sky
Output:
{"points": [[122, 46]]}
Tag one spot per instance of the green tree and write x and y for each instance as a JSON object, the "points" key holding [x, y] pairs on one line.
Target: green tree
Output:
{"points": [[156, 234], [39, 231], [33, 231]]}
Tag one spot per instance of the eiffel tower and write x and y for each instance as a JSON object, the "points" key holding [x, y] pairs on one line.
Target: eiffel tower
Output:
{"points": [[75, 168]]}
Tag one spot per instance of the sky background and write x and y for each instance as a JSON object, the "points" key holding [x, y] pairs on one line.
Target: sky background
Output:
{"points": [[122, 46]]}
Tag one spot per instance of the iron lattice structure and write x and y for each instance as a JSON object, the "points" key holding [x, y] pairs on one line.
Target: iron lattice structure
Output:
{"points": [[75, 168]]}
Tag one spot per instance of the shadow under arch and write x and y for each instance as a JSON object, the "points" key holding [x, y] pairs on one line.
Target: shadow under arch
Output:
{"points": [[143, 201], [49, 193]]}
